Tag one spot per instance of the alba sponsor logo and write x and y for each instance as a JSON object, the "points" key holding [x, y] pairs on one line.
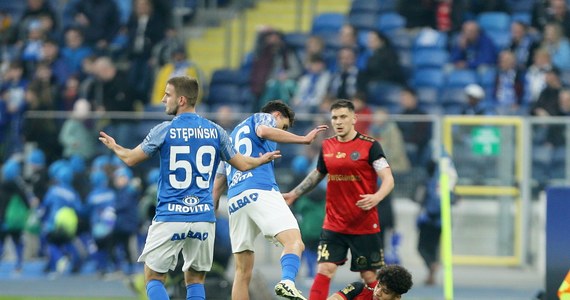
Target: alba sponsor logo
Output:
{"points": [[239, 203], [202, 236]]}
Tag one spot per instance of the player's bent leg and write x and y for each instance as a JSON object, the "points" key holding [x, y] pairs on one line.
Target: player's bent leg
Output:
{"points": [[243, 272], [155, 289], [368, 276], [291, 241]]}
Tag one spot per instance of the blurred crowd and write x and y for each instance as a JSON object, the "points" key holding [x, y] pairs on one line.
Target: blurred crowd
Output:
{"points": [[88, 57]]}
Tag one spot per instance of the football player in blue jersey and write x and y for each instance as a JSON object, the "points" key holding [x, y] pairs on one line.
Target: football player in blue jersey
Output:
{"points": [[190, 149], [255, 202]]}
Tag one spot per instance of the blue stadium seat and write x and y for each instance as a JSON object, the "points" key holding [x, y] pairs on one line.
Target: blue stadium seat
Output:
{"points": [[371, 6], [382, 93], [229, 76], [224, 93], [452, 92], [296, 40], [494, 21], [501, 39], [387, 5], [391, 21], [327, 23], [401, 39], [363, 20], [427, 84], [523, 17], [520, 5], [430, 38], [429, 58]]}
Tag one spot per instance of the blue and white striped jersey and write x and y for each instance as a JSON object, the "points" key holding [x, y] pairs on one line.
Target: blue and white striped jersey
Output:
{"points": [[247, 143], [190, 148]]}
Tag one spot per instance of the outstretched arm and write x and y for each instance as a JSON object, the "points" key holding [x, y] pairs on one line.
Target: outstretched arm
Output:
{"points": [[282, 136], [244, 163], [310, 181], [130, 157]]}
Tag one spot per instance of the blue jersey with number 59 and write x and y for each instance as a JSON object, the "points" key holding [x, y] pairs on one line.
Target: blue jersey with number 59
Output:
{"points": [[247, 143], [190, 148]]}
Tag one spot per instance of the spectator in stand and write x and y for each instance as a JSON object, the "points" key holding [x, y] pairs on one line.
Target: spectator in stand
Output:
{"points": [[343, 80], [475, 102], [382, 64], [556, 134], [557, 45], [43, 94], [110, 93], [449, 15], [479, 6], [473, 48], [127, 225], [312, 86], [551, 11], [30, 51], [76, 136], [12, 92], [74, 50], [99, 20], [535, 76], [522, 45], [35, 10], [145, 29], [272, 60], [58, 65], [315, 45], [416, 134], [69, 93], [179, 65], [363, 113], [509, 85], [162, 51], [547, 103], [389, 135], [348, 38], [14, 208]]}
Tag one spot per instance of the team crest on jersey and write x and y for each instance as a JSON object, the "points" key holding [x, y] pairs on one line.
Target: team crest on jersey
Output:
{"points": [[190, 200], [355, 155]]}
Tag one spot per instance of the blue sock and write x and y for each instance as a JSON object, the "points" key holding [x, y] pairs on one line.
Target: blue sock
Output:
{"points": [[155, 290], [195, 291], [290, 266]]}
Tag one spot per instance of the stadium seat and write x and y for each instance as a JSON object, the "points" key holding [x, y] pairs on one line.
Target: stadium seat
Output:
{"points": [[296, 40], [390, 21], [523, 17], [501, 39], [372, 6], [401, 39], [383, 93], [363, 20], [228, 76], [494, 21], [430, 38], [427, 84], [223, 93], [429, 58], [327, 23], [452, 91], [520, 5]]}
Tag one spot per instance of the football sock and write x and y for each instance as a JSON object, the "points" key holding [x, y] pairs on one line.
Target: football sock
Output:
{"points": [[155, 290], [320, 288], [290, 266], [195, 291]]}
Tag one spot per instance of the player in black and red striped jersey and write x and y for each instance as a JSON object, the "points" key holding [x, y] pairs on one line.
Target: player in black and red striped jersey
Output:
{"points": [[354, 162]]}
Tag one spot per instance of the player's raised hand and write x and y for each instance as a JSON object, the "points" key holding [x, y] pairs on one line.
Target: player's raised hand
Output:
{"points": [[107, 140], [313, 133]]}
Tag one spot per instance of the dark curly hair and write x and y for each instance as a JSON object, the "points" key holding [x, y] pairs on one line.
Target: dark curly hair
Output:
{"points": [[396, 278], [280, 106]]}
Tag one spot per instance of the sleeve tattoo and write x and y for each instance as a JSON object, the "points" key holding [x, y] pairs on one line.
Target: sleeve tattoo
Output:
{"points": [[309, 182]]}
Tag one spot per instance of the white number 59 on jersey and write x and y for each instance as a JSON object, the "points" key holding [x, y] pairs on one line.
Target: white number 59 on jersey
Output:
{"points": [[205, 171]]}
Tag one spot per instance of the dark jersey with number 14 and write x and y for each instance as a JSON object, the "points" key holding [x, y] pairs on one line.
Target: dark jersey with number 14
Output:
{"points": [[350, 174]]}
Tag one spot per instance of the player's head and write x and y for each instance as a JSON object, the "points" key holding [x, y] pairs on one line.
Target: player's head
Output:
{"points": [[343, 117], [180, 92], [284, 115], [393, 282]]}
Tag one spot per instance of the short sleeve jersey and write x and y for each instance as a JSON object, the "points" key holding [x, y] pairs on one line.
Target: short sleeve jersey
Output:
{"points": [[350, 174], [247, 143], [190, 149], [357, 291]]}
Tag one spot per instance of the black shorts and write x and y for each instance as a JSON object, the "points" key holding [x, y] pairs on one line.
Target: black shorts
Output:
{"points": [[365, 250]]}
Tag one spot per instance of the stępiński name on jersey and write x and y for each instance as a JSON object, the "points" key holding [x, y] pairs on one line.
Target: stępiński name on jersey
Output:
{"points": [[187, 133]]}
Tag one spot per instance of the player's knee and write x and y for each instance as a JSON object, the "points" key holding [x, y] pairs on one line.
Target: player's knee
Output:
{"points": [[327, 269]]}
